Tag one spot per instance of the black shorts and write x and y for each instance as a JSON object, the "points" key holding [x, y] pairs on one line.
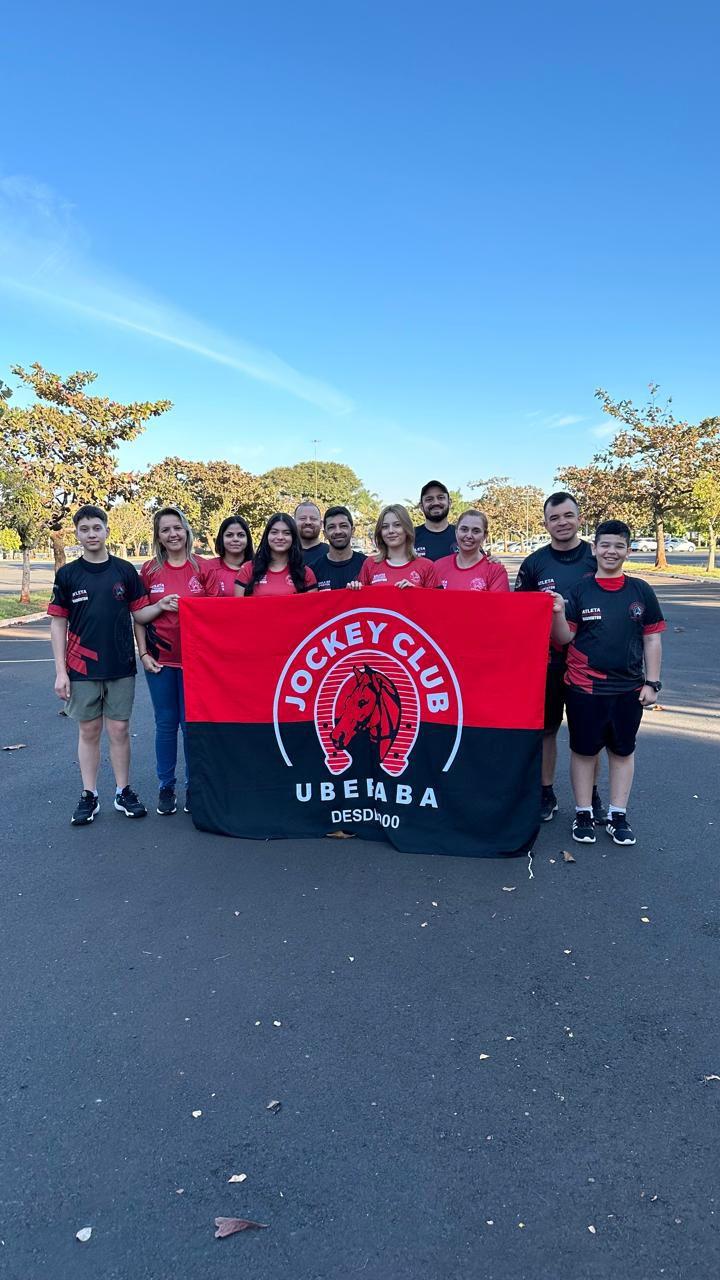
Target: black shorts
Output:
{"points": [[554, 698], [599, 720]]}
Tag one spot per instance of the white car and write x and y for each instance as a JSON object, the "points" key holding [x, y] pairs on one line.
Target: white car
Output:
{"points": [[680, 544], [643, 544]]}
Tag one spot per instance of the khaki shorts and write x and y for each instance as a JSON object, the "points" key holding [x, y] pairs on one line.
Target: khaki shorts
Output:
{"points": [[90, 699]]}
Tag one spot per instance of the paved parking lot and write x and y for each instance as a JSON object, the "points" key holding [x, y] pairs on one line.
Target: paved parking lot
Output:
{"points": [[523, 1087]]}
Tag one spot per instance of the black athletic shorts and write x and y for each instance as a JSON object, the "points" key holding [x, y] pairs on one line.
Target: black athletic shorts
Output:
{"points": [[554, 698], [599, 720]]}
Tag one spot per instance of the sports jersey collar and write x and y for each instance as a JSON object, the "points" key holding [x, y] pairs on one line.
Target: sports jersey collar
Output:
{"points": [[611, 584]]}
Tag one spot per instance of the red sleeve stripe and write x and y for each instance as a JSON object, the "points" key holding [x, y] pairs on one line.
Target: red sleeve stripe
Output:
{"points": [[56, 611], [654, 627], [141, 603]]}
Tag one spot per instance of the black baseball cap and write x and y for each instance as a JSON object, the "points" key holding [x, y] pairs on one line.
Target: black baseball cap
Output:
{"points": [[434, 484]]}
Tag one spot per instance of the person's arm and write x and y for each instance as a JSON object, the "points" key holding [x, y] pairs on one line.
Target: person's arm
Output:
{"points": [[58, 640], [498, 577], [525, 580], [147, 661], [149, 612], [561, 632], [310, 580], [652, 654]]}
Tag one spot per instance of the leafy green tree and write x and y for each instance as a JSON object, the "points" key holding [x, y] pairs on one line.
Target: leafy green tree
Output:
{"points": [[665, 455], [605, 492], [513, 510], [326, 483], [706, 500], [9, 540], [65, 443], [207, 492], [21, 510], [130, 528]]}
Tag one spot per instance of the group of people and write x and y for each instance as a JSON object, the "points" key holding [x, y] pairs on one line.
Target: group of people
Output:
{"points": [[604, 662]]}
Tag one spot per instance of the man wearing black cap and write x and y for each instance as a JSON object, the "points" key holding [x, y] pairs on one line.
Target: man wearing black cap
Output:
{"points": [[436, 537]]}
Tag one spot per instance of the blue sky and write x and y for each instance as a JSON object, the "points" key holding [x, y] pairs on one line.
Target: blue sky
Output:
{"points": [[419, 233]]}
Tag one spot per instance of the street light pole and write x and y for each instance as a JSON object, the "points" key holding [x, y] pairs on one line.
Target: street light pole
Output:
{"points": [[315, 445]]}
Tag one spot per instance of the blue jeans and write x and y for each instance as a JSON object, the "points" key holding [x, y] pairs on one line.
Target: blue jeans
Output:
{"points": [[168, 699]]}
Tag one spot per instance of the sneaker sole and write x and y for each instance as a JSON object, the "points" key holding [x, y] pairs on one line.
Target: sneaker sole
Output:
{"points": [[166, 813], [121, 809], [85, 822], [583, 839], [548, 817]]}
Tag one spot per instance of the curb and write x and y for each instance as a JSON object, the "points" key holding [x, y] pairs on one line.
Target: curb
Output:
{"points": [[23, 617]]}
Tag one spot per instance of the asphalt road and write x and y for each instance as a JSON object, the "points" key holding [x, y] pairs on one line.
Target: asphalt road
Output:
{"points": [[145, 966]]}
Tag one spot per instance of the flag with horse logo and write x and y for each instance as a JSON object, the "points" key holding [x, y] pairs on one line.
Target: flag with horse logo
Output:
{"points": [[408, 716]]}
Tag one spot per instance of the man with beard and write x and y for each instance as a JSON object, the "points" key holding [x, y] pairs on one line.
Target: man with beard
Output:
{"points": [[340, 564], [436, 537], [558, 567], [309, 523]]}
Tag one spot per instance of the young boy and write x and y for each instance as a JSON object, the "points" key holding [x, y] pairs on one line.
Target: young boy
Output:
{"points": [[612, 624], [92, 643]]}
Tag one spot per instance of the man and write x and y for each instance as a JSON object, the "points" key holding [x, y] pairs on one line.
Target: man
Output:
{"points": [[612, 625], [92, 642], [436, 537], [340, 564], [558, 567], [309, 523]]}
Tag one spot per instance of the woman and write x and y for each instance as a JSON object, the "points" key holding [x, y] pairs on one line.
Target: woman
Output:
{"points": [[277, 568], [396, 562], [172, 573], [234, 547], [470, 569]]}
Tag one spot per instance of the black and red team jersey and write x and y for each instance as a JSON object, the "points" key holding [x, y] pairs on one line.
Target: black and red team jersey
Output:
{"points": [[549, 570], [609, 617], [97, 600]]}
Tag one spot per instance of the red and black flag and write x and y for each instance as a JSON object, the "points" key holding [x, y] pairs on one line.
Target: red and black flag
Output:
{"points": [[410, 716]]}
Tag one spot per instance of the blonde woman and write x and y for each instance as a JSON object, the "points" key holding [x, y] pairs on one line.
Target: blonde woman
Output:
{"points": [[173, 572], [469, 568], [396, 562]]}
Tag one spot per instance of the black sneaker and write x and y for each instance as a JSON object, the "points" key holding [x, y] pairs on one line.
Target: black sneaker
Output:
{"points": [[127, 802], [548, 804], [88, 806], [598, 808], [583, 829], [186, 806], [166, 801], [619, 828]]}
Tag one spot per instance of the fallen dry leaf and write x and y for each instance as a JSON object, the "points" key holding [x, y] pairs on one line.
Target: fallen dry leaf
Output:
{"points": [[16, 746], [274, 1106], [83, 1235], [228, 1226], [340, 835], [238, 1177], [509, 888], [567, 856]]}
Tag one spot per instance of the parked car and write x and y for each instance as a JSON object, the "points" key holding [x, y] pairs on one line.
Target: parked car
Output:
{"points": [[643, 544], [680, 544]]}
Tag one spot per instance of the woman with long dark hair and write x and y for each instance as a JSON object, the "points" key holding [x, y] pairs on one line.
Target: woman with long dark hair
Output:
{"points": [[173, 572], [234, 546], [277, 568]]}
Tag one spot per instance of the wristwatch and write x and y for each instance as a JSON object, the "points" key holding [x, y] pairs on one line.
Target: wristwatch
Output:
{"points": [[654, 684]]}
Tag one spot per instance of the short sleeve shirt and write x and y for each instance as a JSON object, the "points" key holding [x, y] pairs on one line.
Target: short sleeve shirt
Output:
{"points": [[276, 582], [226, 576], [435, 545], [482, 576], [605, 655], [420, 572], [332, 575], [97, 600], [313, 554], [185, 580], [549, 570]]}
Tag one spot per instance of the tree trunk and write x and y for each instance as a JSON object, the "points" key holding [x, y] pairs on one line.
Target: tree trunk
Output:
{"points": [[660, 556], [25, 579], [712, 538], [57, 542]]}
